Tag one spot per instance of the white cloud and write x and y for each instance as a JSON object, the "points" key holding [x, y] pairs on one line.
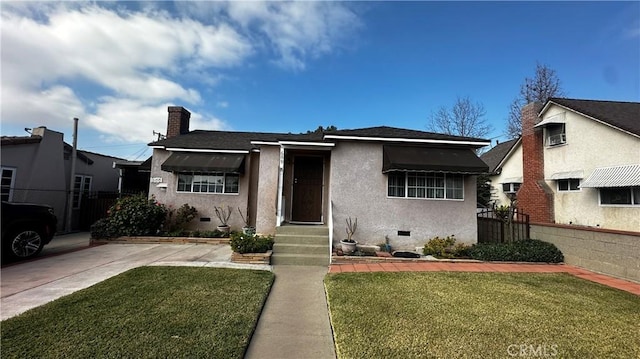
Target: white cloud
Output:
{"points": [[119, 65], [222, 104]]}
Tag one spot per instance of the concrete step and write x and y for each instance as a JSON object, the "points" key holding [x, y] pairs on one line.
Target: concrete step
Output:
{"points": [[303, 229], [301, 248], [300, 259], [302, 239]]}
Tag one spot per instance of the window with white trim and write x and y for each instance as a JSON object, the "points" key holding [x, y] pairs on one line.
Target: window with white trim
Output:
{"points": [[629, 196], [81, 187], [428, 185], [569, 185], [8, 183], [555, 134], [511, 187], [209, 182]]}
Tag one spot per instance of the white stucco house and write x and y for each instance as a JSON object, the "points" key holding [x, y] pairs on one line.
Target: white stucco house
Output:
{"points": [[582, 159], [404, 184], [505, 170]]}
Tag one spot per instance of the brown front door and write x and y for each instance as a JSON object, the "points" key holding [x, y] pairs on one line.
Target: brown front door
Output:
{"points": [[307, 189]]}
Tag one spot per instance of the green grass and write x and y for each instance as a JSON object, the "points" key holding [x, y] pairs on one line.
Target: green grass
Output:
{"points": [[480, 315], [152, 312]]}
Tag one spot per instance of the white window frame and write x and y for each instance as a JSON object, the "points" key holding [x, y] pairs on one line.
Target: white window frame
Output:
{"points": [[569, 185], [558, 138], [208, 174], [511, 187], [78, 193], [12, 183], [633, 203], [426, 187]]}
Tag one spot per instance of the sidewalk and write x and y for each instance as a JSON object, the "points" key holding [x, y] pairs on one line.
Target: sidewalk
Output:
{"points": [[295, 321], [617, 283]]}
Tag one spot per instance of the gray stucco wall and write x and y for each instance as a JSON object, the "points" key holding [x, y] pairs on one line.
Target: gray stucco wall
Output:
{"points": [[359, 189], [610, 252], [267, 201], [40, 176], [203, 202]]}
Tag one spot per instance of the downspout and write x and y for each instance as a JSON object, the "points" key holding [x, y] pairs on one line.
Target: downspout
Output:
{"points": [[279, 218], [72, 177]]}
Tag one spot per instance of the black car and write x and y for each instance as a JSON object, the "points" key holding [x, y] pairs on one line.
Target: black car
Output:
{"points": [[26, 228]]}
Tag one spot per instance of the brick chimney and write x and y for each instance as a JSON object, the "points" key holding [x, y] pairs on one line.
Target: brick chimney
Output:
{"points": [[534, 197], [178, 122]]}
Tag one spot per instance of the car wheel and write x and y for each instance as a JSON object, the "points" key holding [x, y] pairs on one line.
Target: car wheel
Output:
{"points": [[25, 243]]}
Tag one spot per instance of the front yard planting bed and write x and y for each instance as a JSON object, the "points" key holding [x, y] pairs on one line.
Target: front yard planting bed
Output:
{"points": [[158, 239], [152, 312], [480, 315]]}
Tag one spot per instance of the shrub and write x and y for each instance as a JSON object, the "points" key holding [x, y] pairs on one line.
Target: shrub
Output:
{"points": [[445, 248], [242, 243], [101, 229], [531, 250], [131, 216], [184, 215]]}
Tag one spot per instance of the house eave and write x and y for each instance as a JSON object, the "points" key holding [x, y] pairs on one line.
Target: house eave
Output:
{"points": [[407, 140], [206, 150]]}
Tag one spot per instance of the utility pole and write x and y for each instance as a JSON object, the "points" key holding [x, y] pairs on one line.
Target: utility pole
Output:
{"points": [[72, 177]]}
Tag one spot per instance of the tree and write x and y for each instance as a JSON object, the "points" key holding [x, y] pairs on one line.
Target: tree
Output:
{"points": [[544, 85], [465, 118], [321, 129]]}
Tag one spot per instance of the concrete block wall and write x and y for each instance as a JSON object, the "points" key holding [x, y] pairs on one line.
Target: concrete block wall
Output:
{"points": [[611, 252]]}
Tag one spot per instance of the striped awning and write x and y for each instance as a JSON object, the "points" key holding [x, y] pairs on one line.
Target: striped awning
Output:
{"points": [[618, 176], [566, 175]]}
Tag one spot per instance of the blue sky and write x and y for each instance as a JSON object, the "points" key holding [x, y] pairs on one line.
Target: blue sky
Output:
{"points": [[290, 67]]}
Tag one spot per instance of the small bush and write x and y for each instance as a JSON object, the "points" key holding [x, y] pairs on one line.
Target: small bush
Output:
{"points": [[101, 229], [445, 248], [242, 243], [531, 250], [183, 216]]}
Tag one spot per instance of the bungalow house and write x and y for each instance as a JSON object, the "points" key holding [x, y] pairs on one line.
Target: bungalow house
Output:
{"points": [[579, 161], [37, 169], [401, 184]]}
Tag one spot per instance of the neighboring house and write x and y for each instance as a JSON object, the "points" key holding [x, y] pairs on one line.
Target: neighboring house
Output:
{"points": [[134, 176], [505, 171], [405, 184], [581, 161], [37, 169]]}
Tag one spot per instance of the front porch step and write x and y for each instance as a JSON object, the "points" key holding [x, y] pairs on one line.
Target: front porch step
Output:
{"points": [[291, 248], [301, 245], [299, 259], [302, 239]]}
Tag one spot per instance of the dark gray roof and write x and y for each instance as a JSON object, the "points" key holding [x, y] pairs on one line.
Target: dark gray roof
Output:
{"points": [[19, 140], [623, 115], [494, 156], [230, 140], [394, 132]]}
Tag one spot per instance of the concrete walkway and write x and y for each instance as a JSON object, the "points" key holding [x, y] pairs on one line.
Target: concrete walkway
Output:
{"points": [[295, 321]]}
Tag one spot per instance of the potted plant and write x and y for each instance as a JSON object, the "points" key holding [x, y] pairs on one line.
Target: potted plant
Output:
{"points": [[223, 216], [247, 229], [349, 245]]}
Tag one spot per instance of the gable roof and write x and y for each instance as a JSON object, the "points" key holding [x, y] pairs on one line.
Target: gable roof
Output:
{"points": [[495, 156], [242, 141], [621, 115]]}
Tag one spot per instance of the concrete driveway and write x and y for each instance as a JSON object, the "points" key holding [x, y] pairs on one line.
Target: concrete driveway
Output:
{"points": [[65, 267]]}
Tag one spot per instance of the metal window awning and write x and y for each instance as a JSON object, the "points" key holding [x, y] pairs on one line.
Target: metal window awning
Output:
{"points": [[432, 159], [204, 162], [555, 119], [618, 176], [566, 175], [512, 180]]}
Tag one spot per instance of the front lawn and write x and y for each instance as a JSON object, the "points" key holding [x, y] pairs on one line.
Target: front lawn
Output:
{"points": [[153, 312], [480, 315]]}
